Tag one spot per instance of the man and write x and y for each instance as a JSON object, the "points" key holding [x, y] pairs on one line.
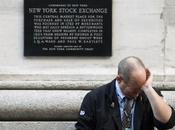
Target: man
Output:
{"points": [[129, 102]]}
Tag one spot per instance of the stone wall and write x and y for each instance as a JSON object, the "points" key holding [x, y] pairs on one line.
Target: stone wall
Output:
{"points": [[46, 92]]}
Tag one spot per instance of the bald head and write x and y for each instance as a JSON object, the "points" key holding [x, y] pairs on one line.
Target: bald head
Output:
{"points": [[129, 65]]}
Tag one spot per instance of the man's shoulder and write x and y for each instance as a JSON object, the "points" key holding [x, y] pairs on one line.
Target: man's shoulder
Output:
{"points": [[102, 90]]}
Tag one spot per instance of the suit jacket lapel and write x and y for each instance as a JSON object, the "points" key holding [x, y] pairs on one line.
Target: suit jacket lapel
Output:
{"points": [[138, 112], [116, 115], [114, 106]]}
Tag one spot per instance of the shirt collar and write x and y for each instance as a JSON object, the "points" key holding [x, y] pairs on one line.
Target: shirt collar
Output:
{"points": [[118, 90]]}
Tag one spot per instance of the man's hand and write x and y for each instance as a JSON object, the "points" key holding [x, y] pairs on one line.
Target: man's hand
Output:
{"points": [[161, 110], [149, 79]]}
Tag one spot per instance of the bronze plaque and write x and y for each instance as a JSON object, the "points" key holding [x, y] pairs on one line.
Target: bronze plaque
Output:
{"points": [[67, 27]]}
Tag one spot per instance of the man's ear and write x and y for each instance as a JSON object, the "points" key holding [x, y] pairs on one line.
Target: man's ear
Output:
{"points": [[147, 73], [119, 78]]}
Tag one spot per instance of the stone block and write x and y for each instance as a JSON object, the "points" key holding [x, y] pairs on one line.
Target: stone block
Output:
{"points": [[77, 85], [139, 31], [37, 125], [40, 105], [169, 57], [169, 97], [46, 105], [169, 3], [169, 12], [65, 125]]}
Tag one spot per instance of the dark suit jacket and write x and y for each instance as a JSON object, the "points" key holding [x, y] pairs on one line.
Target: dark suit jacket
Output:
{"points": [[100, 111]]}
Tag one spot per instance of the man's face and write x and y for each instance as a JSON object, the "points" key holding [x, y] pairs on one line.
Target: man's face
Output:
{"points": [[132, 88]]}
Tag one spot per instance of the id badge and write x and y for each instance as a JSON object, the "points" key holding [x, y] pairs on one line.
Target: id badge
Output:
{"points": [[128, 129]]}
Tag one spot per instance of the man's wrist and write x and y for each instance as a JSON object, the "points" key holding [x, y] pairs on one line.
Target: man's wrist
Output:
{"points": [[146, 88]]}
